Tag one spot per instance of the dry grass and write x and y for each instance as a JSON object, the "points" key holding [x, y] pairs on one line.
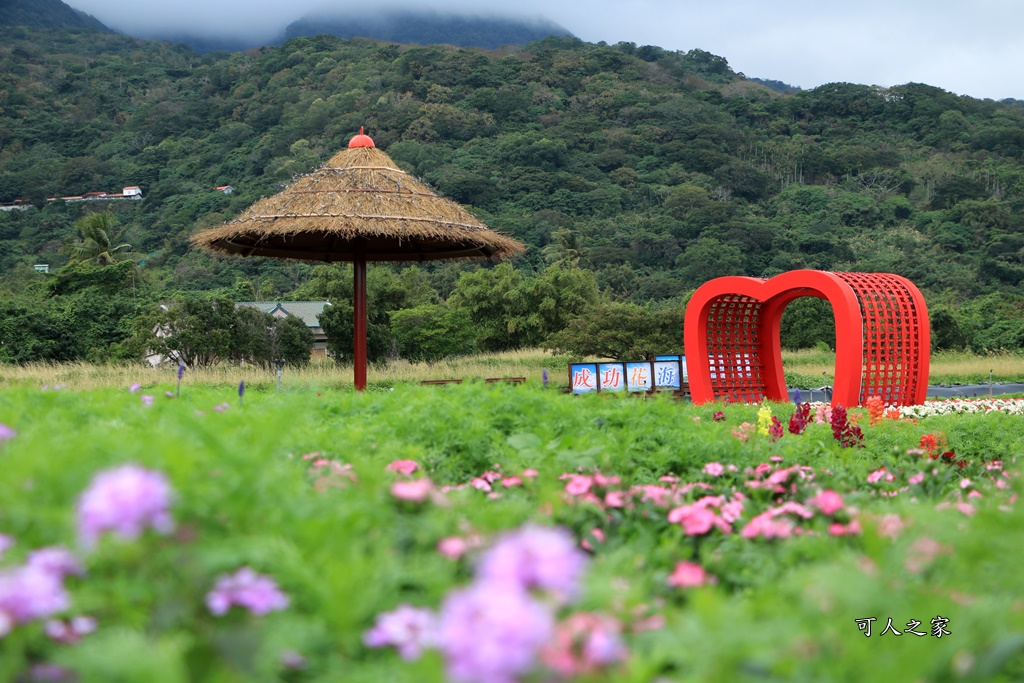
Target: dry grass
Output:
{"points": [[528, 363], [946, 368]]}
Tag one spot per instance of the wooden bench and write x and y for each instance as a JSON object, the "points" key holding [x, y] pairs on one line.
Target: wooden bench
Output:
{"points": [[508, 380], [441, 381]]}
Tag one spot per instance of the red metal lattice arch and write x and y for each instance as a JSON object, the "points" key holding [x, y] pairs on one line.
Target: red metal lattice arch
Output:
{"points": [[732, 344]]}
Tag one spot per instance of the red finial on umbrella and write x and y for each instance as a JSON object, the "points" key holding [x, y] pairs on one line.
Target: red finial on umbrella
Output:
{"points": [[361, 140]]}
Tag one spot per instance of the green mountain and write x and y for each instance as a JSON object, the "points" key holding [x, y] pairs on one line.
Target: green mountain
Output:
{"points": [[427, 28], [50, 14], [649, 171]]}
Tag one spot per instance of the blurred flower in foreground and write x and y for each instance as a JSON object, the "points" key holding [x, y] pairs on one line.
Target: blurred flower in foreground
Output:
{"points": [[6, 433], [255, 592], [408, 629], [536, 557], [124, 500], [30, 591], [584, 643], [492, 633]]}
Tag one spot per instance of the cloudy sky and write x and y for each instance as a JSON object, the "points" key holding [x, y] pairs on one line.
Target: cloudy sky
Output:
{"points": [[969, 47]]}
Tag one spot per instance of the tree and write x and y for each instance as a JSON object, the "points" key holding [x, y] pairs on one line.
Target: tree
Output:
{"points": [[99, 236], [432, 332], [621, 331]]}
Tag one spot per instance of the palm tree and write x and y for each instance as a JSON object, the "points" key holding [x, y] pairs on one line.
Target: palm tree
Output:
{"points": [[98, 238]]}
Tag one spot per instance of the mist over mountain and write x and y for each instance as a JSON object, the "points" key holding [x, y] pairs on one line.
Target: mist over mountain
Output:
{"points": [[52, 14], [428, 28]]}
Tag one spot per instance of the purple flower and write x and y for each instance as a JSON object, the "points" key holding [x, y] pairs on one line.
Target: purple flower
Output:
{"points": [[492, 633], [29, 592], [5, 543], [181, 370], [6, 433], [124, 500], [245, 588], [56, 560], [147, 400], [408, 629], [544, 377], [135, 387], [241, 389], [535, 557]]}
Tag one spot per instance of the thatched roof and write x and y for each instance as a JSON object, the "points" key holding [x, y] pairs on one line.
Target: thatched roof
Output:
{"points": [[359, 200]]}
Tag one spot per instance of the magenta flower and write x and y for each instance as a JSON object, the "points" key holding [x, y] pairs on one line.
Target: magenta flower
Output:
{"points": [[124, 500], [492, 633], [147, 400], [405, 467], [247, 589], [688, 575], [535, 557], [410, 630], [135, 387]]}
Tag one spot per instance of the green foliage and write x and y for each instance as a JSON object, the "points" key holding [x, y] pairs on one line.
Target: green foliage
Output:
{"points": [[652, 170], [344, 550], [99, 235], [623, 331], [432, 332]]}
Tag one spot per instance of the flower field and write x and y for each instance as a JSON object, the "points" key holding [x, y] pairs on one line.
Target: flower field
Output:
{"points": [[501, 534]]}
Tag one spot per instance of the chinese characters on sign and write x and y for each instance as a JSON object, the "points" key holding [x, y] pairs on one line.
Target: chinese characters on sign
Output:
{"points": [[664, 373], [938, 627]]}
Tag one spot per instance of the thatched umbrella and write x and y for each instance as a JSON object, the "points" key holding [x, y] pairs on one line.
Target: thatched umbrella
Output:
{"points": [[358, 207]]}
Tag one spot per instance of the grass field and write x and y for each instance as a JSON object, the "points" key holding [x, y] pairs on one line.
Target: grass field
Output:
{"points": [[714, 553], [807, 369]]}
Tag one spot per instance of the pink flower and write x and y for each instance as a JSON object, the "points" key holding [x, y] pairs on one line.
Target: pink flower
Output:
{"points": [[744, 432], [578, 484], [408, 629], [481, 484], [452, 547], [878, 475], [966, 508], [509, 482], [530, 474], [615, 499], [147, 400], [6, 433], [763, 525], [124, 500], [245, 588], [597, 534], [715, 469], [415, 490], [916, 478], [965, 483], [921, 553], [688, 575], [828, 501], [405, 467], [135, 387], [695, 519], [584, 643], [890, 526]]}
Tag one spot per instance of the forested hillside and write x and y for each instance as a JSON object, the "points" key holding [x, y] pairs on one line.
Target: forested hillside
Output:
{"points": [[633, 174]]}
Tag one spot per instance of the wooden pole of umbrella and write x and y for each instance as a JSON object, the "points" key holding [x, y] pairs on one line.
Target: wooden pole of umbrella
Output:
{"points": [[358, 207]]}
